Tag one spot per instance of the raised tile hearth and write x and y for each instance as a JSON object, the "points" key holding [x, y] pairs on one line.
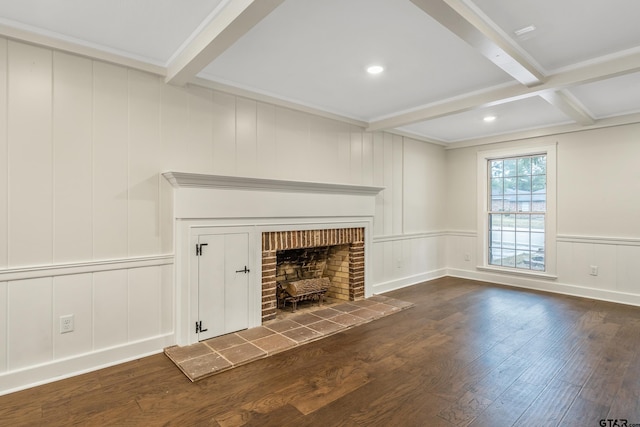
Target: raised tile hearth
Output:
{"points": [[206, 358]]}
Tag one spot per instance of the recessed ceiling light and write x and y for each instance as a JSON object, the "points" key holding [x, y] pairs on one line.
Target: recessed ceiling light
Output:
{"points": [[489, 119], [375, 69], [525, 30]]}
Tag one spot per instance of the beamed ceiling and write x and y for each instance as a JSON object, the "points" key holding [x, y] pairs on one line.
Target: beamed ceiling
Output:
{"points": [[539, 66]]}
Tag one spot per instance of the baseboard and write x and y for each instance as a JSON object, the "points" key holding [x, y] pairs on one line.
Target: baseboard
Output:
{"points": [[547, 286], [403, 282], [32, 376]]}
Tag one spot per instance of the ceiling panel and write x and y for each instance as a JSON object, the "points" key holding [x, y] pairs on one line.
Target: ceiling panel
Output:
{"points": [[150, 30], [315, 53], [525, 114], [611, 97], [567, 31]]}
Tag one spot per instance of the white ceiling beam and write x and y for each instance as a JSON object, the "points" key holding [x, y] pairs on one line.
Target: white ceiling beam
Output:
{"points": [[565, 103], [563, 80], [458, 18], [233, 21]]}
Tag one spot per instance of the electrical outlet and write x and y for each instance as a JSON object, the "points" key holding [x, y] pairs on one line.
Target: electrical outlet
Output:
{"points": [[593, 270], [66, 323]]}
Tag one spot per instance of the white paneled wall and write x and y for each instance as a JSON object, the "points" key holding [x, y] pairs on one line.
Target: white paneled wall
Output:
{"points": [[86, 225], [143, 164], [409, 237], [30, 166], [72, 158], [4, 164], [110, 161], [3, 326], [86, 142], [30, 323]]}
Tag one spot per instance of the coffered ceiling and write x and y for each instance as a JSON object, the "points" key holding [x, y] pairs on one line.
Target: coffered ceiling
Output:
{"points": [[538, 66]]}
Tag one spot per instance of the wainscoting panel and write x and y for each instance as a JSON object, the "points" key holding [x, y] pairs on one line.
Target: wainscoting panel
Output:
{"points": [[145, 300], [110, 297], [72, 295], [30, 323], [458, 245], [405, 260], [628, 269], [616, 260], [118, 314], [3, 327]]}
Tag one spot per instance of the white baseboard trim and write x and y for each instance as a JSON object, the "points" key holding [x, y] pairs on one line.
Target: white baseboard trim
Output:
{"points": [[32, 376], [547, 286], [403, 282]]}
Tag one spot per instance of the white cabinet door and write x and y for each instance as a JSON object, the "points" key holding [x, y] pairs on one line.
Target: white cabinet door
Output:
{"points": [[223, 284]]}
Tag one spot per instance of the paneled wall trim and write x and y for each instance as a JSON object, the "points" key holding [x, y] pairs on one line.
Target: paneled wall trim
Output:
{"points": [[619, 241], [398, 237], [13, 274]]}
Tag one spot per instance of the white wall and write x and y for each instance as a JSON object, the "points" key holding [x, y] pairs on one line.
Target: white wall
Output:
{"points": [[86, 219], [598, 214]]}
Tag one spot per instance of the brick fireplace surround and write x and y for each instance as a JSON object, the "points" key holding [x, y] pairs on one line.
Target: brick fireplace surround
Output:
{"points": [[282, 240]]}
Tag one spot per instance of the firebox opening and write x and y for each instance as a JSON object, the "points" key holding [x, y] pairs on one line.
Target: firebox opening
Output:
{"points": [[343, 267], [312, 276]]}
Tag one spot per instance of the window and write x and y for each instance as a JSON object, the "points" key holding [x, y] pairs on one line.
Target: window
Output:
{"points": [[516, 220], [518, 204]]}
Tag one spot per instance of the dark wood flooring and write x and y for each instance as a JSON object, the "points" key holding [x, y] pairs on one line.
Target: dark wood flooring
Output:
{"points": [[468, 353]]}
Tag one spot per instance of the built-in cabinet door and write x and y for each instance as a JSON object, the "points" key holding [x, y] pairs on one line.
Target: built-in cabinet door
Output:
{"points": [[223, 284]]}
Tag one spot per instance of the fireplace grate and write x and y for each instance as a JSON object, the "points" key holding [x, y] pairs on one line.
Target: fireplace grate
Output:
{"points": [[302, 290]]}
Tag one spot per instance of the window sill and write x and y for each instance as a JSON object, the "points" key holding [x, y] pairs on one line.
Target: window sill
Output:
{"points": [[532, 274]]}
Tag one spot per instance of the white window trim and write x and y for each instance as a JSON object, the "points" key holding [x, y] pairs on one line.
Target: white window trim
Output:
{"points": [[550, 216]]}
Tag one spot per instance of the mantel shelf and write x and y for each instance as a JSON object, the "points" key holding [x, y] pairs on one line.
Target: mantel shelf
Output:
{"points": [[183, 179]]}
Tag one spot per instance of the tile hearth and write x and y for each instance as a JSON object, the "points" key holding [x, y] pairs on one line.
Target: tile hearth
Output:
{"points": [[206, 358]]}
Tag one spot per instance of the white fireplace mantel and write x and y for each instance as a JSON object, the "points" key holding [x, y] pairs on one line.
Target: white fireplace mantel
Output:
{"points": [[183, 179], [216, 196]]}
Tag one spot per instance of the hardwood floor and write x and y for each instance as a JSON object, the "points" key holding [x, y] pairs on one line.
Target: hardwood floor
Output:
{"points": [[468, 353]]}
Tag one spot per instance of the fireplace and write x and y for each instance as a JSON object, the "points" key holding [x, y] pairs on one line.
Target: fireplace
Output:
{"points": [[338, 216], [336, 254]]}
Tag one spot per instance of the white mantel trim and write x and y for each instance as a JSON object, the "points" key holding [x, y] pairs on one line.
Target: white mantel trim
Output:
{"points": [[183, 179]]}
